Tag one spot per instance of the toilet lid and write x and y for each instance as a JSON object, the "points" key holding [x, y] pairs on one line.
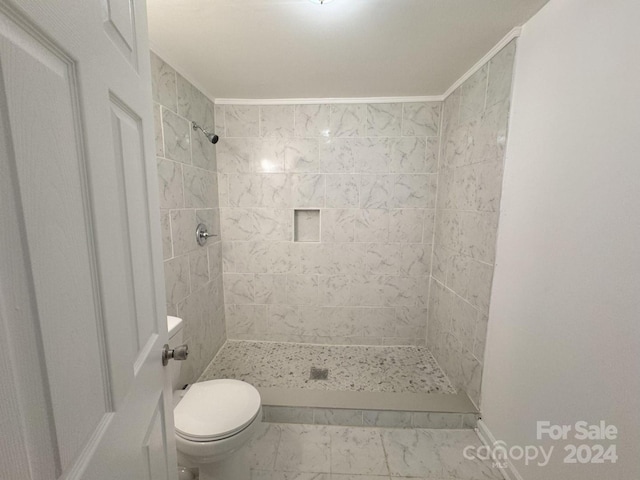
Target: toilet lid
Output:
{"points": [[216, 409]]}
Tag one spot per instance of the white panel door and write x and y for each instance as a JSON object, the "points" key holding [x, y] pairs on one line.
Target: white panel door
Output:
{"points": [[83, 394]]}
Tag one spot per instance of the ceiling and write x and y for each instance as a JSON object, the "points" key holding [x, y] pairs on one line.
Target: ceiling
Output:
{"points": [[259, 49]]}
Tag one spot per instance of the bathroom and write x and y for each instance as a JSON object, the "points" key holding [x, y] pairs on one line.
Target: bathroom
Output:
{"points": [[388, 234]]}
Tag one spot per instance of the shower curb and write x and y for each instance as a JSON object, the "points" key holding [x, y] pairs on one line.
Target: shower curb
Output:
{"points": [[368, 409]]}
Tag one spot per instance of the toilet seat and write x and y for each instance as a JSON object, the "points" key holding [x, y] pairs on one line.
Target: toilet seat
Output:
{"points": [[216, 409]]}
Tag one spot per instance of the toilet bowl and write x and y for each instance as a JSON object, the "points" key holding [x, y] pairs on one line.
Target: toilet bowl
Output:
{"points": [[213, 421]]}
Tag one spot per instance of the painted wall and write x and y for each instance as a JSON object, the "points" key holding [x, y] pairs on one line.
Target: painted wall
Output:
{"points": [[188, 196], [564, 328], [369, 169], [469, 187]]}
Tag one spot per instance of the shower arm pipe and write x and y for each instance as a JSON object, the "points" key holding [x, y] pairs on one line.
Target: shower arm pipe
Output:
{"points": [[212, 137]]}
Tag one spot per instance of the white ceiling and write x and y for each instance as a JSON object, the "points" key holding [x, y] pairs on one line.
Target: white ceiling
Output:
{"points": [[347, 48]]}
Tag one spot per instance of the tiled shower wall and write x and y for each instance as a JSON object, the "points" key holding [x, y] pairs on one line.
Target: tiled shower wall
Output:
{"points": [[469, 186], [369, 170], [188, 196]]}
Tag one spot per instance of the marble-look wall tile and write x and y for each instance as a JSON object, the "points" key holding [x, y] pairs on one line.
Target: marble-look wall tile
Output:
{"points": [[239, 289], [270, 155], [473, 95], [273, 224], [220, 124], [372, 225], [277, 121], [500, 75], [215, 259], [463, 322], [198, 268], [188, 195], [301, 415], [302, 289], [371, 171], [192, 104], [436, 420], [270, 289], [414, 191], [373, 155], [338, 225], [170, 184], [334, 290], [415, 260], [336, 416], [384, 119], [236, 155], [307, 190], [474, 132], [312, 120], [176, 275], [406, 225], [338, 155], [177, 137], [245, 319], [183, 226], [200, 188], [421, 119], [375, 191], [409, 155], [165, 229], [203, 153], [429, 226], [342, 191], [480, 337], [237, 223], [383, 258], [385, 418], [163, 83], [242, 120], [301, 155], [348, 120]]}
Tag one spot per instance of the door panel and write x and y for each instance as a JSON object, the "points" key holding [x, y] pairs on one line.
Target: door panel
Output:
{"points": [[81, 290], [119, 25], [154, 447], [51, 174], [128, 151]]}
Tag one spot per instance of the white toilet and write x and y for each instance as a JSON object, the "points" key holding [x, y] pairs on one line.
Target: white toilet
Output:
{"points": [[213, 420]]}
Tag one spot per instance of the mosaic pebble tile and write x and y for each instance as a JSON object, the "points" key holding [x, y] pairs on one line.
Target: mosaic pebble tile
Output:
{"points": [[399, 369]]}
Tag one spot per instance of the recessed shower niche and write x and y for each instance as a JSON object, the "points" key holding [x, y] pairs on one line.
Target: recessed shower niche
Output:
{"points": [[306, 225]]}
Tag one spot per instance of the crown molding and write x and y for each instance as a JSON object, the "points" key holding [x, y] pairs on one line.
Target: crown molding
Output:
{"points": [[315, 101], [515, 33]]}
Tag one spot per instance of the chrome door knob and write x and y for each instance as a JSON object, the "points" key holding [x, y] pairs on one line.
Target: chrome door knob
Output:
{"points": [[178, 353]]}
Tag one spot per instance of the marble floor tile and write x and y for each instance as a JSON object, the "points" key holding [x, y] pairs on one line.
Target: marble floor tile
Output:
{"points": [[451, 443], [400, 369], [303, 448], [315, 452], [276, 475], [412, 453], [357, 451], [261, 450], [340, 476]]}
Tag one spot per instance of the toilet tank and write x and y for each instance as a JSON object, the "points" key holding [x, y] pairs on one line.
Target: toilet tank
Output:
{"points": [[174, 326]]}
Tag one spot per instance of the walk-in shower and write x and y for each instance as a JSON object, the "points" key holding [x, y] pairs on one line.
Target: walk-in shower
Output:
{"points": [[355, 253]]}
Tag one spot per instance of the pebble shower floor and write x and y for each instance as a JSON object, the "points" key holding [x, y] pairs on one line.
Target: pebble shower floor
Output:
{"points": [[399, 369]]}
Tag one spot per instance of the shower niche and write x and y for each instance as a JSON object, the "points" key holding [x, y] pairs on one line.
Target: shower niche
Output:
{"points": [[306, 225]]}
